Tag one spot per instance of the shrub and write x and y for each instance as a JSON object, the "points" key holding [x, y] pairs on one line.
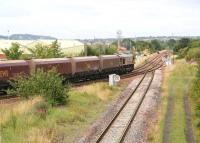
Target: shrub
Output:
{"points": [[111, 50], [13, 52], [100, 49], [47, 84], [193, 53], [182, 53], [47, 51]]}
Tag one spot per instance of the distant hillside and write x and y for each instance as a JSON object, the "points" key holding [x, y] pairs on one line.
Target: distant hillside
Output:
{"points": [[26, 37], [3, 37]]}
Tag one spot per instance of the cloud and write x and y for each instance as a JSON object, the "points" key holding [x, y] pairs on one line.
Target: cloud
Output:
{"points": [[12, 9], [100, 18]]}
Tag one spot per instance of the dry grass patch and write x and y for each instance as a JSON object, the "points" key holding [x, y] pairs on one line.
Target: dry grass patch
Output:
{"points": [[7, 110], [23, 122], [36, 135], [101, 90]]}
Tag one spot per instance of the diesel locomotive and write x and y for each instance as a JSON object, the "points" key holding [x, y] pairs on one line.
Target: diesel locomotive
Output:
{"points": [[73, 69]]}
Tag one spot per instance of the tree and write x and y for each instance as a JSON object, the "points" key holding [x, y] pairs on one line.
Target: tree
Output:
{"points": [[40, 51], [128, 43], [55, 49], [141, 45], [155, 45], [47, 51], [111, 49], [182, 43], [171, 43], [101, 49], [92, 50], [195, 43], [13, 52], [193, 53]]}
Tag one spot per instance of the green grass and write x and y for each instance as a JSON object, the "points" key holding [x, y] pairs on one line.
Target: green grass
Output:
{"points": [[195, 121], [58, 124], [176, 81], [195, 106]]}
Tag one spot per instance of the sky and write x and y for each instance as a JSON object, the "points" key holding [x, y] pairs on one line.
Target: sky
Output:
{"points": [[80, 19]]}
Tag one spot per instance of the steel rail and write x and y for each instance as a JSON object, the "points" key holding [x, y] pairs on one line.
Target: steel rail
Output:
{"points": [[137, 109], [124, 104], [148, 62], [116, 115]]}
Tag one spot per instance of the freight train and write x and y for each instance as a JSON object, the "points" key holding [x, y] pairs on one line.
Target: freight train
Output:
{"points": [[73, 69]]}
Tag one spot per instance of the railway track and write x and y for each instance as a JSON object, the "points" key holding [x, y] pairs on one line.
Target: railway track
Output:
{"points": [[117, 129], [152, 64]]}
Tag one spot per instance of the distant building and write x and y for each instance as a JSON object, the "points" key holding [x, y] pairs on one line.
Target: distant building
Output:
{"points": [[69, 47]]}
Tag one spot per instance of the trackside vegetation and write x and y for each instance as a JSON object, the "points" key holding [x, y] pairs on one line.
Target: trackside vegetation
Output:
{"points": [[195, 99], [42, 51], [47, 51], [49, 85], [14, 53], [34, 121], [193, 55], [171, 124], [181, 79], [99, 49]]}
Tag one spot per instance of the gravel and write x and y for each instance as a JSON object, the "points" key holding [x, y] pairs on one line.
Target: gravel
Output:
{"points": [[139, 128]]}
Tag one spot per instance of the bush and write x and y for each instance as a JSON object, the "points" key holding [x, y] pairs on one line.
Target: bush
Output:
{"points": [[100, 49], [46, 84], [111, 50], [193, 53], [14, 52], [47, 51], [182, 53], [182, 43]]}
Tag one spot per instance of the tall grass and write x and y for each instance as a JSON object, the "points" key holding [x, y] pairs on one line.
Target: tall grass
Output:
{"points": [[177, 79], [195, 99], [27, 122]]}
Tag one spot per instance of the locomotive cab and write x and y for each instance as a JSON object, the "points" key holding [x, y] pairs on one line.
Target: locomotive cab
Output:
{"points": [[127, 62]]}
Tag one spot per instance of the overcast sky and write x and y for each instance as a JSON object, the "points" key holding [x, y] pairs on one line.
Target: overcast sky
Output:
{"points": [[71, 19]]}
